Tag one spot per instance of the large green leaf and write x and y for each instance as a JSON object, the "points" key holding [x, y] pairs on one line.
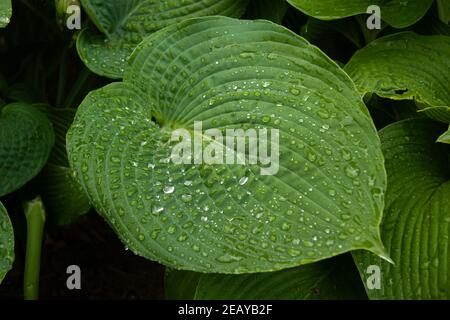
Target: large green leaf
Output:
{"points": [[124, 23], [416, 221], [331, 279], [326, 198], [26, 139], [5, 12], [6, 243], [406, 66], [397, 13]]}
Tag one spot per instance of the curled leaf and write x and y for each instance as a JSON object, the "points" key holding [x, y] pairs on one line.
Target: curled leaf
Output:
{"points": [[406, 66]]}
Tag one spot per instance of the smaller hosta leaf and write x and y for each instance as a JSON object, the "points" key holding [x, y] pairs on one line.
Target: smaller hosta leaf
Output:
{"points": [[5, 12], [331, 279], [416, 220], [397, 13], [324, 196], [406, 66], [26, 140], [124, 23], [6, 243]]}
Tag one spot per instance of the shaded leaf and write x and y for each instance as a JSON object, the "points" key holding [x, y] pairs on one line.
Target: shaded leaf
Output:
{"points": [[64, 198], [26, 139], [180, 285], [331, 279], [273, 10], [318, 29], [416, 221]]}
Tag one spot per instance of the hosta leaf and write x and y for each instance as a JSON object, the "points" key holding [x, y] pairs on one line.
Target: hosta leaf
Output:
{"points": [[416, 221], [331, 279], [397, 13], [325, 199], [406, 66], [26, 139], [5, 12], [124, 23], [6, 243], [273, 10]]}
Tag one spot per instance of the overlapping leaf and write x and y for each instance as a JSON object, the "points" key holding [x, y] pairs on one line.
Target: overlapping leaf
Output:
{"points": [[325, 199], [26, 139], [124, 23], [332, 279], [416, 221], [6, 243], [406, 66], [397, 13], [5, 12]]}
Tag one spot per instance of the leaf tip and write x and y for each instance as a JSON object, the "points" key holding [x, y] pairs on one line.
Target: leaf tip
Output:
{"points": [[381, 252]]}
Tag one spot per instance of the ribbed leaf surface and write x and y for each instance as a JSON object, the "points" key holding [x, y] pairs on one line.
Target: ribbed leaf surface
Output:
{"points": [[26, 139], [416, 221], [325, 199]]}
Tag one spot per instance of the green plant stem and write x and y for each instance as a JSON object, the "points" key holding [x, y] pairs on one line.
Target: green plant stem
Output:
{"points": [[35, 215]]}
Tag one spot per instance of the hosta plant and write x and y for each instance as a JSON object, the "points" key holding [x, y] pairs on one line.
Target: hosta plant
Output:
{"points": [[255, 149]]}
